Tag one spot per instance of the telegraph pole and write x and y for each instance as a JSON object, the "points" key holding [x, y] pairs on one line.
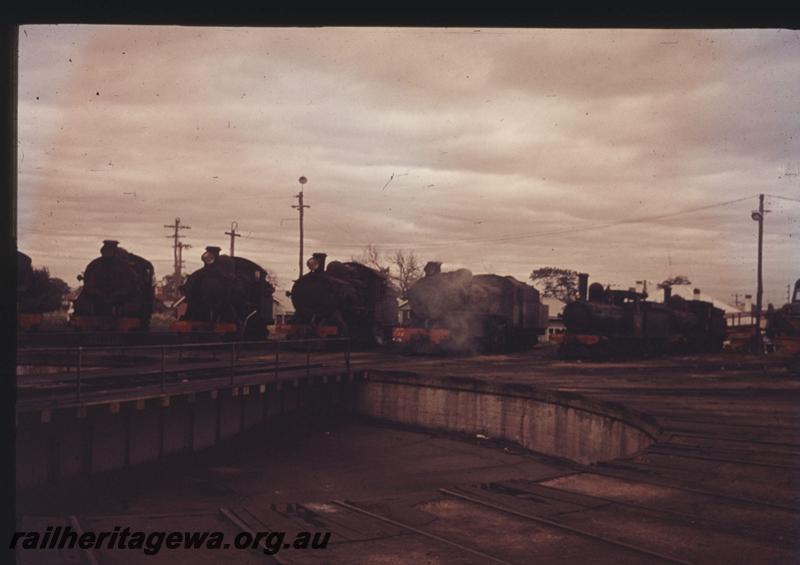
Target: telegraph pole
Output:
{"points": [[233, 234], [758, 216], [299, 206], [181, 247], [177, 245]]}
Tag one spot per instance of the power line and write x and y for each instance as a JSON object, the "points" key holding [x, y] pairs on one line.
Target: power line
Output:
{"points": [[783, 198], [560, 231], [638, 220]]}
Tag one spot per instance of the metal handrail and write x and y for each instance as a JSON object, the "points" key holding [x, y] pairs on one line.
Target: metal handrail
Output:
{"points": [[184, 345], [80, 351]]}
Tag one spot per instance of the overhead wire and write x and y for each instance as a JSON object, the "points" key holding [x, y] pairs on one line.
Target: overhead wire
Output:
{"points": [[783, 197], [560, 231]]}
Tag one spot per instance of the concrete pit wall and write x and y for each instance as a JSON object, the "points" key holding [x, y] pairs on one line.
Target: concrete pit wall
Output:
{"points": [[53, 444], [58, 443], [554, 423]]}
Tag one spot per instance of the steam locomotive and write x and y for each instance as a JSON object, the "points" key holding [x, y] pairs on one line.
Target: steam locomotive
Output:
{"points": [[345, 299], [605, 322], [458, 312], [31, 299], [117, 292], [227, 296], [783, 325]]}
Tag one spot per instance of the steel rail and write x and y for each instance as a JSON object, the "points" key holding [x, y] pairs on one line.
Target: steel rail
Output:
{"points": [[409, 528], [564, 527], [675, 515], [672, 452], [666, 484], [240, 523], [76, 526], [688, 434]]}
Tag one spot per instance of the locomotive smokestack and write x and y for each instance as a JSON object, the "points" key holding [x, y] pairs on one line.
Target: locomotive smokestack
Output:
{"points": [[748, 303], [667, 293], [583, 286], [320, 261], [109, 247], [210, 255], [696, 293], [432, 268]]}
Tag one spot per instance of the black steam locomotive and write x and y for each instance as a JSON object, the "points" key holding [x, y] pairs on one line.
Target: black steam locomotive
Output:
{"points": [[344, 299], [32, 300], [27, 315], [459, 312], [783, 326], [227, 295], [622, 323], [117, 292]]}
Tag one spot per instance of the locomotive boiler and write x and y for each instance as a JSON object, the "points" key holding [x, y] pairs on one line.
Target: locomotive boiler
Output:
{"points": [[605, 322], [458, 312], [227, 295], [117, 292], [343, 299]]}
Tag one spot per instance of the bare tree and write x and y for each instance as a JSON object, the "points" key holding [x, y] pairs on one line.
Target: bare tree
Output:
{"points": [[407, 270], [371, 257], [402, 268]]}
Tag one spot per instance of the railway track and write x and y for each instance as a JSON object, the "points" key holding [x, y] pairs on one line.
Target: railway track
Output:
{"points": [[637, 549], [634, 474], [713, 488], [684, 511]]}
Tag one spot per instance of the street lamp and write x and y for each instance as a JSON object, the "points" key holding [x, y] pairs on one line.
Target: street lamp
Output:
{"points": [[300, 206], [758, 216]]}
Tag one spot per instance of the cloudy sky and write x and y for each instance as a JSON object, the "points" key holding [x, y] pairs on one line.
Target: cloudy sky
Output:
{"points": [[627, 154]]}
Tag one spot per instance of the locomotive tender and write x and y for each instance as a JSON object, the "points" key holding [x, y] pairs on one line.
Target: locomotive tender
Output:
{"points": [[345, 299], [117, 292], [227, 295], [458, 312], [605, 322]]}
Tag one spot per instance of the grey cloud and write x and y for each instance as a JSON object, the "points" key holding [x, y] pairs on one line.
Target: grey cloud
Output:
{"points": [[526, 131]]}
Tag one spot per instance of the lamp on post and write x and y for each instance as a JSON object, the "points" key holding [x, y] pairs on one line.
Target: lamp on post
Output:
{"points": [[758, 216], [300, 206]]}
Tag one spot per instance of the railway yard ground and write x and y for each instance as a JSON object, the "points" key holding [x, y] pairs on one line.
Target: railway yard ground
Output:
{"points": [[719, 484]]}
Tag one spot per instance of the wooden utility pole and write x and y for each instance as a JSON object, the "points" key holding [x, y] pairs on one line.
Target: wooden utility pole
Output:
{"points": [[759, 217], [233, 235], [181, 247], [177, 245], [300, 206]]}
